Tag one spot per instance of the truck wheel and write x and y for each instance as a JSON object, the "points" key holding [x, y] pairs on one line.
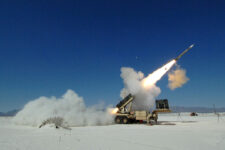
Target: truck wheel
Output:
{"points": [[118, 119], [125, 120]]}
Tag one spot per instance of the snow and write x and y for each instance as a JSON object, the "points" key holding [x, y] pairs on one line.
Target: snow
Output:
{"points": [[173, 132]]}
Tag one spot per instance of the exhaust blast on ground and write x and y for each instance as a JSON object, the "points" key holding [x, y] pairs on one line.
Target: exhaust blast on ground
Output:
{"points": [[70, 107]]}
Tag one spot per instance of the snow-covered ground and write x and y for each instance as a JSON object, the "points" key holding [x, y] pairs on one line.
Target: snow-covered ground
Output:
{"points": [[174, 132]]}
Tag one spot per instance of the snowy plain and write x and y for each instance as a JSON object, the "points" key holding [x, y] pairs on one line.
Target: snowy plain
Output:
{"points": [[174, 132]]}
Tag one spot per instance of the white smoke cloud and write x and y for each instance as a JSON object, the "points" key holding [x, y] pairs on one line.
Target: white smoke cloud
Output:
{"points": [[144, 97], [177, 78], [70, 107]]}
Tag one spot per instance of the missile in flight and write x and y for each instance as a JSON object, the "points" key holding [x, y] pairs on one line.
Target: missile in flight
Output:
{"points": [[185, 51]]}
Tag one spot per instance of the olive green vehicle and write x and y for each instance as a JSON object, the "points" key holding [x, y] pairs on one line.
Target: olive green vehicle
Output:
{"points": [[126, 115]]}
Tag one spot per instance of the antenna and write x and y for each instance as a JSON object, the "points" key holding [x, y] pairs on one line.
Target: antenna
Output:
{"points": [[218, 115], [178, 115], [214, 108]]}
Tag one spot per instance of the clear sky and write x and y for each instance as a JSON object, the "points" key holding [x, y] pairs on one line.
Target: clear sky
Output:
{"points": [[47, 47]]}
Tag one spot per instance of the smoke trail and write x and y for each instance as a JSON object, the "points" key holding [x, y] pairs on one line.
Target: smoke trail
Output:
{"points": [[177, 78], [154, 77], [70, 107], [144, 97]]}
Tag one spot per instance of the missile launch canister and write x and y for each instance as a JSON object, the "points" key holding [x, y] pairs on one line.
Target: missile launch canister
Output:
{"points": [[185, 51]]}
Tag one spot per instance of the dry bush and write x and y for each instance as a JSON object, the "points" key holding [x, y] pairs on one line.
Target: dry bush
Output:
{"points": [[57, 121]]}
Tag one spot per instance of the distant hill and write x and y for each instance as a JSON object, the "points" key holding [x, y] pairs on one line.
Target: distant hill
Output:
{"points": [[2, 114], [195, 109], [10, 113]]}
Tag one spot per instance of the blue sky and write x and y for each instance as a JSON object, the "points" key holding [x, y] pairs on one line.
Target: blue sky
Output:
{"points": [[48, 47]]}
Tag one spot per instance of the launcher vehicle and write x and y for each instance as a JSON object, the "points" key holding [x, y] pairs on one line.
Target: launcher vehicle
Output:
{"points": [[126, 115]]}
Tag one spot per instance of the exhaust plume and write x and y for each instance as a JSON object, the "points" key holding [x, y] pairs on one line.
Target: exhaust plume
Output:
{"points": [[70, 107], [177, 78]]}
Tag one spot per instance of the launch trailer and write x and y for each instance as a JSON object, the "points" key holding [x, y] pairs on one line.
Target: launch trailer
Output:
{"points": [[126, 115]]}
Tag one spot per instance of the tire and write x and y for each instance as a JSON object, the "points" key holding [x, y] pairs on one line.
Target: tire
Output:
{"points": [[118, 120], [156, 119], [125, 120]]}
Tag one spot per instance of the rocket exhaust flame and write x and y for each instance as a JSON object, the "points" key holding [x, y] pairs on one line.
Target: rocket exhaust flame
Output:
{"points": [[114, 111], [152, 78]]}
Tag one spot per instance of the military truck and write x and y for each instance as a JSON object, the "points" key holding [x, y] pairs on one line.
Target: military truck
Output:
{"points": [[125, 114]]}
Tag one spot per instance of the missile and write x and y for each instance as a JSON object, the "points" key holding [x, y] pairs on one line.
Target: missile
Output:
{"points": [[185, 51]]}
